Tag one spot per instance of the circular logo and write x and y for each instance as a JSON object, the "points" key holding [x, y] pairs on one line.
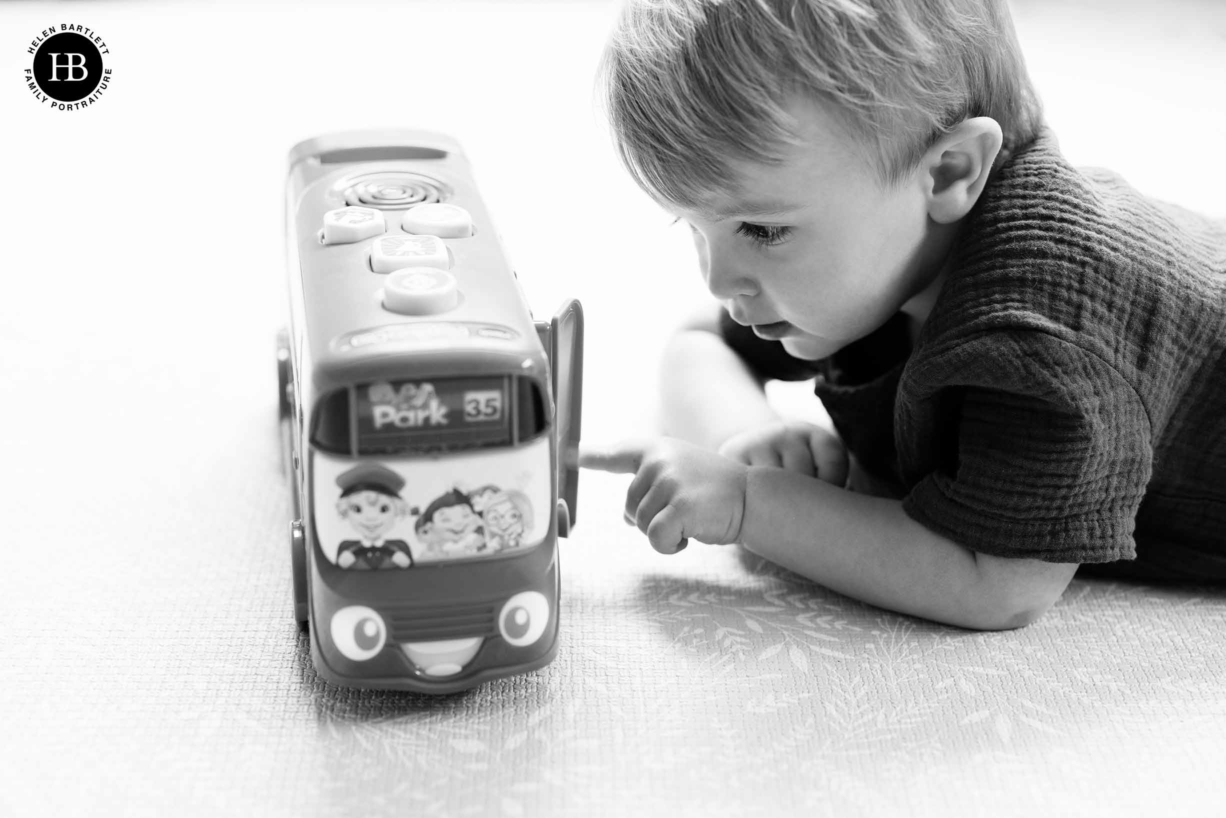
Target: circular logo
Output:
{"points": [[68, 70]]}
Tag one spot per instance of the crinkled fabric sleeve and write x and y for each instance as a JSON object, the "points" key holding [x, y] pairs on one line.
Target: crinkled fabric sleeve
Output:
{"points": [[1045, 453], [767, 359]]}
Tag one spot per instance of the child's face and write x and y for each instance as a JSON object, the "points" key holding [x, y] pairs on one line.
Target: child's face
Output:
{"points": [[814, 251]]}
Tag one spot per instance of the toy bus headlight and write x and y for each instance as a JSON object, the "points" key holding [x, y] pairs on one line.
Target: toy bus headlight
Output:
{"points": [[358, 632], [524, 618]]}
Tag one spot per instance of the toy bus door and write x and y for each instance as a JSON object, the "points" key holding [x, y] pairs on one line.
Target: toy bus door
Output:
{"points": [[563, 341]]}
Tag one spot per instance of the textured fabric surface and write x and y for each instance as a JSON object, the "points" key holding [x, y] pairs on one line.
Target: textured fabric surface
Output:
{"points": [[709, 683], [1068, 387]]}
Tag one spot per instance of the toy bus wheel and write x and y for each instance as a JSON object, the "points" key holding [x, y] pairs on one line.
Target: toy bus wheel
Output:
{"points": [[298, 561], [283, 379]]}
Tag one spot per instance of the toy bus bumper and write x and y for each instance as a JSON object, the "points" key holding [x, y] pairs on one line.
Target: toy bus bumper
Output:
{"points": [[412, 679], [441, 650]]}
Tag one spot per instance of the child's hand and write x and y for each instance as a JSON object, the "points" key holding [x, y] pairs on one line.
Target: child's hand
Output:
{"points": [[792, 445], [679, 491]]}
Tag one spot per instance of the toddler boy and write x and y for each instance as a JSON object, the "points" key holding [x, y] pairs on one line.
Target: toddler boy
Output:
{"points": [[1025, 363]]}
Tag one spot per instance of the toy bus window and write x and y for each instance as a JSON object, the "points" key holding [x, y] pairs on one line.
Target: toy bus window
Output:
{"points": [[382, 153], [391, 512], [530, 418], [331, 423], [403, 416]]}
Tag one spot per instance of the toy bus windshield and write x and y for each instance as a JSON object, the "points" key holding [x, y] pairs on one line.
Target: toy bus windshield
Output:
{"points": [[428, 416], [416, 471], [406, 415]]}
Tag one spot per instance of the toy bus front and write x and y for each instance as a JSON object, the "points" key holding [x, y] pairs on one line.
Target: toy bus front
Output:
{"points": [[422, 433], [432, 537]]}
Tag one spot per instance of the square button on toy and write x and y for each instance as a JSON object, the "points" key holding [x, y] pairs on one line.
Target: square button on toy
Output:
{"points": [[396, 252]]}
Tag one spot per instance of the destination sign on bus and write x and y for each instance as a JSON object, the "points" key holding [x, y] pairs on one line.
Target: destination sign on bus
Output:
{"points": [[414, 414]]}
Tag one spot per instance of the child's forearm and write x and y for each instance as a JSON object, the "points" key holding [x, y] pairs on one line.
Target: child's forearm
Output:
{"points": [[707, 392], [869, 549]]}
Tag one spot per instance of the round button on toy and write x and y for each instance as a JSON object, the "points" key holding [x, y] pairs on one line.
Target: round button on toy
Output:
{"points": [[447, 221], [420, 291]]}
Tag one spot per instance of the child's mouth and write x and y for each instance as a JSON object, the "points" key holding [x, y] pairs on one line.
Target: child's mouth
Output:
{"points": [[773, 332]]}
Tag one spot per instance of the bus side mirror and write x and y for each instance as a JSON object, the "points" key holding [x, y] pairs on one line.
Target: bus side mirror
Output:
{"points": [[563, 341]]}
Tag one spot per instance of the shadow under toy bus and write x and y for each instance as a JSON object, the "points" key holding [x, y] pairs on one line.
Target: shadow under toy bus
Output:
{"points": [[429, 423]]}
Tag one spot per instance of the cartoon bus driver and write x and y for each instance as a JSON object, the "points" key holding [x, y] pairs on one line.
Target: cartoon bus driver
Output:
{"points": [[370, 502]]}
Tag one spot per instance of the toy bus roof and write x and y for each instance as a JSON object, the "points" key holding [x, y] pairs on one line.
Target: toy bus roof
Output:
{"points": [[336, 297]]}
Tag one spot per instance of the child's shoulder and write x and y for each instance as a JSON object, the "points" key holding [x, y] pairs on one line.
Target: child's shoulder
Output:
{"points": [[1083, 257]]}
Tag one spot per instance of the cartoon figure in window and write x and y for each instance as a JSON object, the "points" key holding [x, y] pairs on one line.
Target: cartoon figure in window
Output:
{"points": [[450, 527], [508, 516], [410, 396], [480, 498], [370, 502]]}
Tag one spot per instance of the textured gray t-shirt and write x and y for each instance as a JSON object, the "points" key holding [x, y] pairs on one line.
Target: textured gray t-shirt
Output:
{"points": [[1066, 397]]}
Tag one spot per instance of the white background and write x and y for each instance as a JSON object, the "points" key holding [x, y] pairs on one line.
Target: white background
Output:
{"points": [[146, 272]]}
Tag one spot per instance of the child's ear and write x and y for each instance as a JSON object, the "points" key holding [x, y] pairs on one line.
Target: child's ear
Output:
{"points": [[958, 166]]}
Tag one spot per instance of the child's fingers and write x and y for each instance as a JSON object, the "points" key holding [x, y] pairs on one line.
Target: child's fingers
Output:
{"points": [[797, 457], [829, 457], [650, 506], [665, 530], [765, 456], [621, 458], [639, 486]]}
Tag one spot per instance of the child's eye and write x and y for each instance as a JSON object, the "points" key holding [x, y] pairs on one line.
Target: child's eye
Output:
{"points": [[764, 235], [356, 509], [385, 509]]}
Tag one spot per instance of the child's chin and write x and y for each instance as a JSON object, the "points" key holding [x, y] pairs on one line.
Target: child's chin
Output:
{"points": [[808, 348]]}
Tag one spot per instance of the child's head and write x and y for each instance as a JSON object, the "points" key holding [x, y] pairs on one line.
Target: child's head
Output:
{"points": [[692, 84], [823, 152]]}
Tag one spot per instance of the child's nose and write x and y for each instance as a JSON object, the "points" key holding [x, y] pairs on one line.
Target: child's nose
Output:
{"points": [[725, 281]]}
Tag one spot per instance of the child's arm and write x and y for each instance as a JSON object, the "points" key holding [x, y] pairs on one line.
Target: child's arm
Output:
{"points": [[870, 549], [711, 397], [865, 547], [708, 394]]}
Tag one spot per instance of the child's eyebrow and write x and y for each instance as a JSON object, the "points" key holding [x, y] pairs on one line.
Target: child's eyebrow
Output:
{"points": [[765, 207]]}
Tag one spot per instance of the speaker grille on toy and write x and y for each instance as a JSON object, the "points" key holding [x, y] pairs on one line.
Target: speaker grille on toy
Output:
{"points": [[393, 191]]}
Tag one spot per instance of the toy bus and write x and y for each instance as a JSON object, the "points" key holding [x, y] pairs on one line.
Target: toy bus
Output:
{"points": [[429, 423]]}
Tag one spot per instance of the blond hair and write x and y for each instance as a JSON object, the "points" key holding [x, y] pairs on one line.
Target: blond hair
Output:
{"points": [[690, 85]]}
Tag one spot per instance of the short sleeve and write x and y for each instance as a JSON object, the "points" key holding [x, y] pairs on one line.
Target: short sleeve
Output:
{"points": [[1044, 453], [767, 359]]}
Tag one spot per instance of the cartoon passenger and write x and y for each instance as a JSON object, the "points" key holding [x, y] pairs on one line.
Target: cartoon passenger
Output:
{"points": [[507, 516], [450, 527], [409, 396], [481, 497], [370, 502]]}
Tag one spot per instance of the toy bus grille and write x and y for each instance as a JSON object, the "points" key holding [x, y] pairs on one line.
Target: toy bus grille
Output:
{"points": [[432, 624]]}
